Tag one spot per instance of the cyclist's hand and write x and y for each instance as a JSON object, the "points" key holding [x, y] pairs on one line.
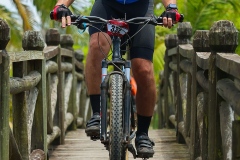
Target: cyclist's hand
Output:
{"points": [[61, 13], [170, 17]]}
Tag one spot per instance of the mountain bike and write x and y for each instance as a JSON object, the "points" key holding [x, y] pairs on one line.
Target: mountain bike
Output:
{"points": [[117, 129]]}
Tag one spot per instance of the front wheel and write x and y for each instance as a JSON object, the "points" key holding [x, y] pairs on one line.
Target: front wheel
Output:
{"points": [[117, 150]]}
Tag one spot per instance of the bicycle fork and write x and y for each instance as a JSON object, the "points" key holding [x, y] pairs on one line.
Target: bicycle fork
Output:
{"points": [[127, 102]]}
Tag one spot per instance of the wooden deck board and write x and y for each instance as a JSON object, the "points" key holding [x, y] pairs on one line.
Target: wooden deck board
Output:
{"points": [[79, 147]]}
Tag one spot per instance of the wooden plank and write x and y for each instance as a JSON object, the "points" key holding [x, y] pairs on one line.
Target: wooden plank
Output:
{"points": [[229, 63], [20, 113], [202, 59], [237, 83], [49, 100], [59, 115], [202, 107], [66, 52], [13, 148], [51, 51], [222, 38], [18, 85], [173, 66], [0, 57], [4, 106], [186, 66], [67, 67], [72, 100], [202, 80], [214, 136], [193, 105], [51, 66], [226, 119], [186, 50], [39, 129], [171, 42], [79, 65], [79, 146], [184, 32], [179, 106], [25, 55], [227, 90], [165, 89], [236, 140], [172, 51]]}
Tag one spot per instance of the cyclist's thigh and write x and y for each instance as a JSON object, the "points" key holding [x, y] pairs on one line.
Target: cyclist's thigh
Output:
{"points": [[142, 45], [101, 9]]}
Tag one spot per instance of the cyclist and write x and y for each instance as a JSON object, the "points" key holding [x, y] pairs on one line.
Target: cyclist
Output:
{"points": [[141, 54]]}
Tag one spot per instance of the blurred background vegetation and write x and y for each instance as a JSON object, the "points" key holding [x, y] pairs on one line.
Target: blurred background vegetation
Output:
{"points": [[200, 13], [26, 15]]}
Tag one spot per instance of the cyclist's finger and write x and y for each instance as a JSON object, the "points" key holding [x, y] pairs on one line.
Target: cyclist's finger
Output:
{"points": [[165, 23], [169, 21], [63, 22], [68, 20]]}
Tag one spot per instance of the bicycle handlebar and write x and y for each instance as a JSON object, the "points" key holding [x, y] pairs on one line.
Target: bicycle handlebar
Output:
{"points": [[78, 20]]}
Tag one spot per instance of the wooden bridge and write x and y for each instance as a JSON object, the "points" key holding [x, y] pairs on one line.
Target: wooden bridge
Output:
{"points": [[43, 89]]}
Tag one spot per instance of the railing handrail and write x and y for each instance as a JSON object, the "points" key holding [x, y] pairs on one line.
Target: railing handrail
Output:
{"points": [[210, 67], [48, 92]]}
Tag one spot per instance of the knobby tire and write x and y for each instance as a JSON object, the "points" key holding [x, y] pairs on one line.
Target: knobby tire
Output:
{"points": [[116, 149]]}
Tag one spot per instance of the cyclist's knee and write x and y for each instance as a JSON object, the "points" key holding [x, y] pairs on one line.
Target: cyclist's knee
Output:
{"points": [[99, 40], [142, 67]]}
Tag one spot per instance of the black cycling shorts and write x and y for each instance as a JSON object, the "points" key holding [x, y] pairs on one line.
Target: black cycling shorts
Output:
{"points": [[142, 44]]}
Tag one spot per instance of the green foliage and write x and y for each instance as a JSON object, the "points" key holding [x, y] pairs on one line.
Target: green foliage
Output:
{"points": [[14, 25], [202, 13]]}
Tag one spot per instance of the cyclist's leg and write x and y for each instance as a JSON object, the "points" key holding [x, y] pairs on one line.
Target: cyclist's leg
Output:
{"points": [[98, 46], [142, 67], [93, 78], [145, 102]]}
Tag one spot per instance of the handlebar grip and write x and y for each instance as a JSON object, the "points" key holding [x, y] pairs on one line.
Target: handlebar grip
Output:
{"points": [[74, 18], [51, 15], [179, 17]]}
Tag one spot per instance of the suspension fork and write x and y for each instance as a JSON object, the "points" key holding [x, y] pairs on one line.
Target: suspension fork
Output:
{"points": [[127, 103], [103, 103]]}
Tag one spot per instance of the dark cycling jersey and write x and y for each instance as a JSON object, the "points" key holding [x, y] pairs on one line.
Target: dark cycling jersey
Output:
{"points": [[142, 44], [126, 1]]}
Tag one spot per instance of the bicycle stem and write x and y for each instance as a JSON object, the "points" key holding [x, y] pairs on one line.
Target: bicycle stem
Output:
{"points": [[116, 49]]}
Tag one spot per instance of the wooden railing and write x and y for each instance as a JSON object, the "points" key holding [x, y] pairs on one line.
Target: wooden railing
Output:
{"points": [[200, 90], [48, 93]]}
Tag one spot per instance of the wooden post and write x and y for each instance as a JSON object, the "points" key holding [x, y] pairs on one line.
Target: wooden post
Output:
{"points": [[4, 91], [67, 42], [161, 117], [79, 57], [223, 37], [200, 44], [33, 40], [20, 113], [236, 140], [184, 32], [83, 101], [53, 39], [171, 41]]}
